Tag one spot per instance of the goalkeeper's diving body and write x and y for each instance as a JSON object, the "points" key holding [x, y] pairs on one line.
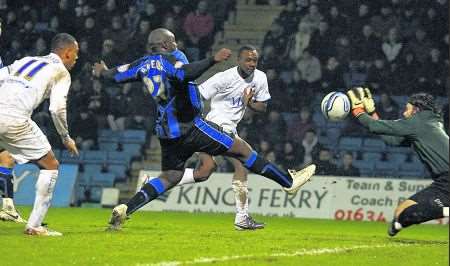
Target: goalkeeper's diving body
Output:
{"points": [[423, 130], [183, 133]]}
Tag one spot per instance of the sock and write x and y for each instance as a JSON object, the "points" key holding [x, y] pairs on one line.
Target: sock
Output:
{"points": [[445, 211], [188, 177], [397, 226], [261, 166], [6, 182], [149, 191], [240, 189], [8, 204], [44, 192], [417, 214]]}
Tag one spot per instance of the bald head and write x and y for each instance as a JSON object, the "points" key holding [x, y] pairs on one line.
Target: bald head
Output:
{"points": [[162, 40]]}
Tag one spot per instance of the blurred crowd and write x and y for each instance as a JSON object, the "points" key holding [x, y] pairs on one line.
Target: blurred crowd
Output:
{"points": [[314, 46]]}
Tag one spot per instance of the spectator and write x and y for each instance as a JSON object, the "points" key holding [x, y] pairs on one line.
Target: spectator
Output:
{"points": [[264, 148], [289, 17], [313, 18], [337, 21], [40, 47], [132, 18], [366, 46], [291, 157], [343, 50], [118, 34], [199, 26], [309, 68], [107, 55], [347, 168], [406, 74], [274, 129], [420, 46], [356, 75], [324, 163], [333, 75], [301, 41], [139, 38], [387, 108], [277, 37], [84, 129], [152, 16], [384, 21], [310, 146], [378, 74], [322, 42], [120, 108], [301, 123], [392, 46]]}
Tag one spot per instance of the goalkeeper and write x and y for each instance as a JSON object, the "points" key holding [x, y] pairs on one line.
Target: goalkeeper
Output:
{"points": [[422, 129]]}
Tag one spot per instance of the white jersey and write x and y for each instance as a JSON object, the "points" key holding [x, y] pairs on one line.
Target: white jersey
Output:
{"points": [[226, 90], [31, 80]]}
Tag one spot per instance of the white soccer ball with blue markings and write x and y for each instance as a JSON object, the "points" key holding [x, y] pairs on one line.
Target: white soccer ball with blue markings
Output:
{"points": [[335, 106]]}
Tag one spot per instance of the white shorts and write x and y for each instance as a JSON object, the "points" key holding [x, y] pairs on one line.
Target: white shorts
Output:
{"points": [[23, 139]]}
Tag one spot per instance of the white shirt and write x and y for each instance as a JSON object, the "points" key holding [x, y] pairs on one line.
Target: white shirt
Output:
{"points": [[226, 90], [29, 81]]}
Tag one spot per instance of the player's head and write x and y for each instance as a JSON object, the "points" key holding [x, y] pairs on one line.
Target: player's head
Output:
{"points": [[419, 102], [66, 47], [247, 59], [161, 40]]}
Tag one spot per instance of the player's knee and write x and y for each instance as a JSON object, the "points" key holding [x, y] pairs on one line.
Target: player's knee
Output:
{"points": [[205, 171], [417, 214], [171, 177], [6, 160]]}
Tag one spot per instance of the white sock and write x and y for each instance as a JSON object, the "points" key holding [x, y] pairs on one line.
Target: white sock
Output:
{"points": [[398, 225], [44, 192], [8, 204], [240, 189], [188, 177], [446, 211]]}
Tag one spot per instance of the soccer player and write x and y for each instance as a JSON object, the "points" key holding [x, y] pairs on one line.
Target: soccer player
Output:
{"points": [[180, 128], [421, 129], [8, 211], [24, 85], [231, 92]]}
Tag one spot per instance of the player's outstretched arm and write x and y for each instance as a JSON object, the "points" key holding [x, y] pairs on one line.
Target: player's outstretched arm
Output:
{"points": [[194, 70]]}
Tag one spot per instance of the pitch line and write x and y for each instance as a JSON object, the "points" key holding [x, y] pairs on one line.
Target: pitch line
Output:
{"points": [[301, 252]]}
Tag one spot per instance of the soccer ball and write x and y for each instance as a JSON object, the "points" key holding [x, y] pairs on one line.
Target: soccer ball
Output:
{"points": [[335, 106]]}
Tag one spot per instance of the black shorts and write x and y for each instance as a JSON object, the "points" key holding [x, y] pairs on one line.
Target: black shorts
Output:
{"points": [[204, 136], [435, 196]]}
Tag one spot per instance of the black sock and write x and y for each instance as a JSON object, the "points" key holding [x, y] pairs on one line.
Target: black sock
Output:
{"points": [[261, 166], [417, 214], [149, 191], [6, 182]]}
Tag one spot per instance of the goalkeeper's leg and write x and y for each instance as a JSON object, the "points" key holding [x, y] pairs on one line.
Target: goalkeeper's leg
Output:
{"points": [[428, 204]]}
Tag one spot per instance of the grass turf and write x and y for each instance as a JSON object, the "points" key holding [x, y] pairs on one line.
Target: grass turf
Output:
{"points": [[176, 238]]}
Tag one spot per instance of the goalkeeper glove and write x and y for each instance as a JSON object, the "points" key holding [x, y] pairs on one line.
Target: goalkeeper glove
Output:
{"points": [[356, 101]]}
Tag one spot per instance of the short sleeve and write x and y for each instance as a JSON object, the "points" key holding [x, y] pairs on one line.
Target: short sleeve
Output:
{"points": [[262, 94], [212, 86]]}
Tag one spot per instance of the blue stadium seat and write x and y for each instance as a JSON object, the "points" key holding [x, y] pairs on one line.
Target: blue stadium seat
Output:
{"points": [[107, 135], [94, 156], [108, 146], [133, 149], [319, 119], [117, 169], [366, 168], [372, 156], [57, 153], [118, 157], [398, 149], [133, 136], [84, 179], [386, 168], [350, 143], [374, 145], [92, 168], [96, 193], [66, 157], [103, 180], [411, 169], [333, 134], [396, 157]]}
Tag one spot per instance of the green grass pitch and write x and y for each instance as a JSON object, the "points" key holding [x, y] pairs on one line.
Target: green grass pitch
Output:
{"points": [[176, 238]]}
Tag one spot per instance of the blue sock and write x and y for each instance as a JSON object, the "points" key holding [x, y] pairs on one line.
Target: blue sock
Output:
{"points": [[149, 191], [261, 166], [6, 182]]}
